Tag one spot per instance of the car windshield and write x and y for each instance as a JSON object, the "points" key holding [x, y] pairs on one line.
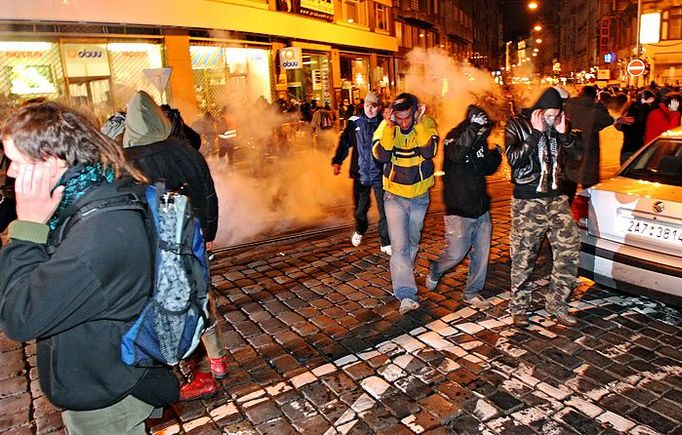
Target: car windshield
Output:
{"points": [[660, 162]]}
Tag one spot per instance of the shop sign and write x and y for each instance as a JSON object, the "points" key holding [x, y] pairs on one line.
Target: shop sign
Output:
{"points": [[291, 57], [24, 54], [86, 60], [323, 9], [604, 74]]}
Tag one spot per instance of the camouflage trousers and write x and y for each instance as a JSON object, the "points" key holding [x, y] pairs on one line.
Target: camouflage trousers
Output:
{"points": [[531, 220]]}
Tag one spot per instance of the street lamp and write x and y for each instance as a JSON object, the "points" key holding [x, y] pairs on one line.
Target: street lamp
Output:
{"points": [[538, 41], [532, 5], [537, 28]]}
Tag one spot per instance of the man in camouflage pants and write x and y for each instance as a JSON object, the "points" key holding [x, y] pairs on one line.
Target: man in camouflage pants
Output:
{"points": [[537, 143]]}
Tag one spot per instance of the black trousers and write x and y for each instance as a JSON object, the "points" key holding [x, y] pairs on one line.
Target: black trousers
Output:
{"points": [[362, 202]]}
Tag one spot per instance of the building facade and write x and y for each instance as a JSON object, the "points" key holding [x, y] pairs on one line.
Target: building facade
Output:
{"points": [[219, 52]]}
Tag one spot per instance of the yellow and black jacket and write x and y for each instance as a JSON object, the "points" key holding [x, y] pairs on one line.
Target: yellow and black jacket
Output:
{"points": [[407, 158]]}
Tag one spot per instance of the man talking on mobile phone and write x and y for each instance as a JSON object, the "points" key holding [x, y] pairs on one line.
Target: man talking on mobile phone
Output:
{"points": [[538, 142], [406, 142]]}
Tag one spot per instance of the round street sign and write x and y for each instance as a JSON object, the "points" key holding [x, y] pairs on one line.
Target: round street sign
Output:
{"points": [[636, 67]]}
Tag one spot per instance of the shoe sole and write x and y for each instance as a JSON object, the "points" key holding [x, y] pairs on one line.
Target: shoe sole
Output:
{"points": [[204, 396]]}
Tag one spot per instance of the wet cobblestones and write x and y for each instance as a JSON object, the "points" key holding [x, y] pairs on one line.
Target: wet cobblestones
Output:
{"points": [[316, 346]]}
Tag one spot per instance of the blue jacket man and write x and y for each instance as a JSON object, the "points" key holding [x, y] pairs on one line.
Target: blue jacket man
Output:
{"points": [[365, 170]]}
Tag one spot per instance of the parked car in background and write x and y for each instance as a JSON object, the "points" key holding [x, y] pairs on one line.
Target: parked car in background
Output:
{"points": [[631, 225]]}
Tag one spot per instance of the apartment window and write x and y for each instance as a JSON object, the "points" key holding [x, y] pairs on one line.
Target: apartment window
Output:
{"points": [[671, 23], [355, 11], [381, 16]]}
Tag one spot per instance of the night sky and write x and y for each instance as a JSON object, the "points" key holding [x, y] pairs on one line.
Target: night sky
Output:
{"points": [[518, 19]]}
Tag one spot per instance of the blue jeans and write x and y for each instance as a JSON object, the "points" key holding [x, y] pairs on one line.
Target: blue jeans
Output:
{"points": [[466, 235], [405, 218]]}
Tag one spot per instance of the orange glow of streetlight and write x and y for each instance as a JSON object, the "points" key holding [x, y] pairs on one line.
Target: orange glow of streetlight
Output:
{"points": [[532, 5], [538, 41], [537, 28]]}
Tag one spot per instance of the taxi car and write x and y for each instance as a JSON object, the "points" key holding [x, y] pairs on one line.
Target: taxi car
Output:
{"points": [[631, 225]]}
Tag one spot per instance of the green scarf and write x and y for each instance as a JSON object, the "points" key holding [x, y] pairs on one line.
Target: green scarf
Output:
{"points": [[76, 181]]}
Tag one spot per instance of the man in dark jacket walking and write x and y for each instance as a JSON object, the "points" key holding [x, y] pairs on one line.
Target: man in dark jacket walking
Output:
{"points": [[590, 116], [538, 142], [364, 170], [468, 227], [78, 296], [633, 123], [149, 147]]}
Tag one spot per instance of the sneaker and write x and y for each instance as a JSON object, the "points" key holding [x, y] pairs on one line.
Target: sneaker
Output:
{"points": [[477, 302], [201, 386], [561, 315], [218, 367], [431, 283], [407, 305], [520, 320], [356, 239], [386, 250]]}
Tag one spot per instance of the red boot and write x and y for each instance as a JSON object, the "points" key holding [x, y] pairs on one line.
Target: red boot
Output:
{"points": [[218, 367], [201, 386]]}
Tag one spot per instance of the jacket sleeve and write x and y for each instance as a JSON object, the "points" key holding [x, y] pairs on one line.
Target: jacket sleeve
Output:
{"points": [[603, 119], [43, 295], [210, 223], [427, 138], [346, 140], [492, 161], [456, 148], [572, 143], [383, 143], [517, 149]]}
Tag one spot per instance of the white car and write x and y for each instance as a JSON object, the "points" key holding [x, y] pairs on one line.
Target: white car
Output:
{"points": [[631, 225]]}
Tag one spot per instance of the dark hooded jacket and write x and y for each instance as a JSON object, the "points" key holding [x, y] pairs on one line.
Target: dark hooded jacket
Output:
{"points": [[358, 135], [467, 161], [78, 298], [521, 147], [147, 145]]}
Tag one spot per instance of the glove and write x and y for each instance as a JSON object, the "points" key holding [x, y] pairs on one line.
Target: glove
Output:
{"points": [[479, 118]]}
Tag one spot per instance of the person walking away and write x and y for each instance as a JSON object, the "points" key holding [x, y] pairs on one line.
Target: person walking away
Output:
{"points": [[365, 170], [406, 142], [76, 294], [663, 118], [468, 228], [537, 142], [633, 123], [590, 116], [148, 147]]}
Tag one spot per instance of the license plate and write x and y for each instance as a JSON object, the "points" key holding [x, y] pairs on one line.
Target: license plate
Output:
{"points": [[654, 230]]}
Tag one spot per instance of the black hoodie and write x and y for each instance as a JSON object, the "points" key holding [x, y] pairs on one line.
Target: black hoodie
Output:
{"points": [[467, 162]]}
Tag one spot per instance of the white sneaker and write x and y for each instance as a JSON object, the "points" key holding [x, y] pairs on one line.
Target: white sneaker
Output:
{"points": [[356, 239], [431, 283], [477, 302], [386, 250], [407, 304]]}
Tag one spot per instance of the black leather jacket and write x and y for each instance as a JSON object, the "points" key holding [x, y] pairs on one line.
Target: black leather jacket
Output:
{"points": [[521, 140]]}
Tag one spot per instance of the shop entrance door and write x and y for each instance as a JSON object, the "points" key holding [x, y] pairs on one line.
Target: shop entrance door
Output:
{"points": [[93, 92]]}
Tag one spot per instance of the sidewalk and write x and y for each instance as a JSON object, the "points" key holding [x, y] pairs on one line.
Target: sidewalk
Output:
{"points": [[317, 346]]}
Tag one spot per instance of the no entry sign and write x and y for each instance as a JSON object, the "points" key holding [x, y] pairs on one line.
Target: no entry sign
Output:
{"points": [[636, 67]]}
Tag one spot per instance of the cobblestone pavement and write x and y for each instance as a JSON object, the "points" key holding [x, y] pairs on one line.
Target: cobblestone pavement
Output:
{"points": [[316, 346]]}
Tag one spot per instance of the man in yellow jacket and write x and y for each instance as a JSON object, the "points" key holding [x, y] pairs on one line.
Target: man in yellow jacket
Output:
{"points": [[406, 142]]}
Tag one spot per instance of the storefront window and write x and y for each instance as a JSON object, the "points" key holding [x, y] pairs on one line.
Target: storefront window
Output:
{"points": [[382, 81], [88, 76], [355, 77], [312, 82], [30, 70], [229, 76], [128, 62]]}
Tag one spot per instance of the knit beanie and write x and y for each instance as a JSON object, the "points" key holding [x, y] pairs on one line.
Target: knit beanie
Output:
{"points": [[550, 99]]}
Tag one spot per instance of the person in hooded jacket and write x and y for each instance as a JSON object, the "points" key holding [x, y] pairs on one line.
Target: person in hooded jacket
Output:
{"points": [[589, 115], [663, 118], [149, 147], [76, 288], [633, 123], [468, 228], [365, 170], [538, 143]]}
